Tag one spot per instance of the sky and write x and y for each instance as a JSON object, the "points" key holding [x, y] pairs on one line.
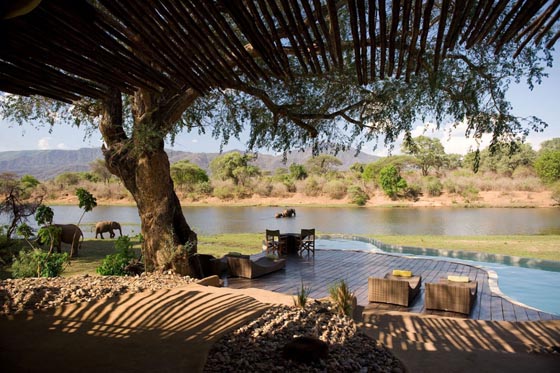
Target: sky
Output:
{"points": [[543, 102]]}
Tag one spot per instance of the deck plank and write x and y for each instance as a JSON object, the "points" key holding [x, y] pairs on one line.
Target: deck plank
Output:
{"points": [[319, 272]]}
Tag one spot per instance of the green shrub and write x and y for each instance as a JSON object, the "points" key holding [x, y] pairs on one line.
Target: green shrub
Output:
{"points": [[547, 166], [335, 189], [391, 181], [358, 195], [8, 247], [343, 299], [433, 186], [115, 264], [37, 263], [204, 188]]}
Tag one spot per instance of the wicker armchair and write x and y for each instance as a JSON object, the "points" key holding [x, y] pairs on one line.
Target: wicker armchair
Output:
{"points": [[394, 289], [247, 268], [451, 296]]}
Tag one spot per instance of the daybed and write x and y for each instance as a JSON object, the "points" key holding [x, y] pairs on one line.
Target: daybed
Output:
{"points": [[240, 266], [394, 289]]}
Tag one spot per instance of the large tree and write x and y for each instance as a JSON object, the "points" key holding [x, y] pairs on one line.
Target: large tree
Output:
{"points": [[428, 151], [328, 110]]}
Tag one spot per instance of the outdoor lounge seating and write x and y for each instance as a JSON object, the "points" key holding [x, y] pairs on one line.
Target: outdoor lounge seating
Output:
{"points": [[394, 289], [307, 241], [275, 244], [453, 296], [240, 266]]}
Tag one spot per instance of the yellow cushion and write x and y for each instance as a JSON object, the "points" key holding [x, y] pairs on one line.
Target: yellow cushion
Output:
{"points": [[402, 273], [458, 278]]}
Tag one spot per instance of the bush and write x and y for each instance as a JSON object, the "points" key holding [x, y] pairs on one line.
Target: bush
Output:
{"points": [[335, 189], [556, 192], [115, 264], [204, 188], [342, 298], [469, 193], [451, 186], [302, 296], [8, 247], [264, 189], [391, 181], [358, 195], [224, 192], [433, 186], [547, 166], [38, 263], [312, 187], [413, 191]]}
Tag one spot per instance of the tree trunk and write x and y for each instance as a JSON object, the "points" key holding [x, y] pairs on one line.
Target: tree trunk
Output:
{"points": [[141, 163]]}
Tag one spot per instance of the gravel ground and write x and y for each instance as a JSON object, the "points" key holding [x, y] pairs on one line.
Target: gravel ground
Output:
{"points": [[17, 295], [256, 347], [259, 346]]}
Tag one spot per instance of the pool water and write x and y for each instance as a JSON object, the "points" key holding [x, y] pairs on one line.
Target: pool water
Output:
{"points": [[534, 287]]}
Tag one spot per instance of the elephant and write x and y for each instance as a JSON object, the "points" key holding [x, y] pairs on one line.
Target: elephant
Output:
{"points": [[288, 213], [107, 226], [70, 234]]}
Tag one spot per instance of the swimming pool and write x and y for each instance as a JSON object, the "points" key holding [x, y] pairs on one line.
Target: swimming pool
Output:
{"points": [[519, 279]]}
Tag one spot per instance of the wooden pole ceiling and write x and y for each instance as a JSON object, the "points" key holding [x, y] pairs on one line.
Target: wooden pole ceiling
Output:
{"points": [[69, 49]]}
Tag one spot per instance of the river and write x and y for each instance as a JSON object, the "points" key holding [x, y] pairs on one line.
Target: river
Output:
{"points": [[345, 220]]}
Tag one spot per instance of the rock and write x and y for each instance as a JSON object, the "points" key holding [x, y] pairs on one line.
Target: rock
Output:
{"points": [[306, 350]]}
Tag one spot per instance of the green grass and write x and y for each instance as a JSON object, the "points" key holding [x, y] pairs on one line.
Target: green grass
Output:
{"points": [[529, 246]]}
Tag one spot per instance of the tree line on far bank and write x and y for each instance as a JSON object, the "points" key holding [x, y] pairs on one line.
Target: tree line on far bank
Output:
{"points": [[423, 169]]}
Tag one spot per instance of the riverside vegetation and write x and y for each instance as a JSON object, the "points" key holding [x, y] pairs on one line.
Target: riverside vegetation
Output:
{"points": [[424, 176]]}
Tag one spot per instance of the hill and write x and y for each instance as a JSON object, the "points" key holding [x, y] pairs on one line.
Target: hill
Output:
{"points": [[47, 164]]}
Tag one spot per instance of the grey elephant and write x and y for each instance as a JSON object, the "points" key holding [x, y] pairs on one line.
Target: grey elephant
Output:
{"points": [[70, 234], [288, 213], [107, 226]]}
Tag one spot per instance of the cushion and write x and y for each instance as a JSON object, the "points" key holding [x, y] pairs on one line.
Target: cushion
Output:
{"points": [[238, 255], [402, 273], [458, 278]]}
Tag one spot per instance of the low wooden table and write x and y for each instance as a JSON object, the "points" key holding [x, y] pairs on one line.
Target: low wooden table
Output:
{"points": [[292, 242], [451, 296]]}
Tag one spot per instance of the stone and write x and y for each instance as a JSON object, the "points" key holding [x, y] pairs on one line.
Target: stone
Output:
{"points": [[306, 350]]}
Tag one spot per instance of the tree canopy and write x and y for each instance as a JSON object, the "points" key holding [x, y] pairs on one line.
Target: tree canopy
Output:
{"points": [[428, 151]]}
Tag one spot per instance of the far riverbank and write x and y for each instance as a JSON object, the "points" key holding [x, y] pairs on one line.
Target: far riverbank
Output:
{"points": [[485, 199]]}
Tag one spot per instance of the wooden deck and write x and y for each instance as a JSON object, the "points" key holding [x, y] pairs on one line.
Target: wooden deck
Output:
{"points": [[355, 267]]}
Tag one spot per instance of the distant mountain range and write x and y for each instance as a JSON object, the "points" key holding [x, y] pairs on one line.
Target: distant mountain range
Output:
{"points": [[47, 164]]}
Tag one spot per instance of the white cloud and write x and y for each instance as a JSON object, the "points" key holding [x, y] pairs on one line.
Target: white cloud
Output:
{"points": [[194, 141], [61, 146], [43, 143]]}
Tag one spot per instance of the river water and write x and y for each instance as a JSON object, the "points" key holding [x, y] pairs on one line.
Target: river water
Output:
{"points": [[343, 220]]}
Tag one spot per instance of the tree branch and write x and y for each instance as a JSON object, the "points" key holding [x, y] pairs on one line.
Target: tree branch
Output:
{"points": [[285, 111]]}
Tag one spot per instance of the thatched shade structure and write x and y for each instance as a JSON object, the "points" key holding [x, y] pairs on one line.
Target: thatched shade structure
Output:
{"points": [[68, 49]]}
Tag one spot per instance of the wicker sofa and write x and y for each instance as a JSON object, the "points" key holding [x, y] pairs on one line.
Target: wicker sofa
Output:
{"points": [[394, 289], [244, 266], [451, 296]]}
